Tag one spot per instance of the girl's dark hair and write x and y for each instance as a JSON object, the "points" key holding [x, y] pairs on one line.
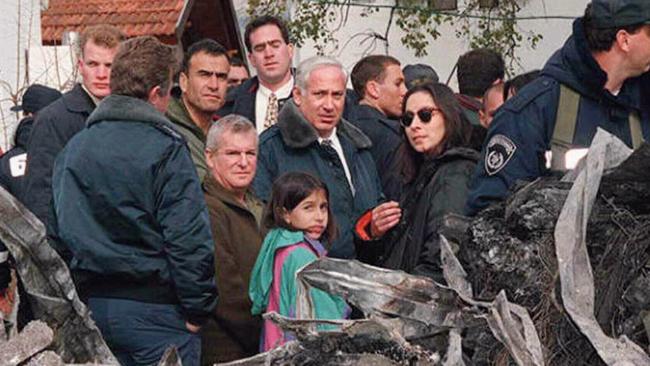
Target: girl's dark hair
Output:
{"points": [[457, 129], [288, 191]]}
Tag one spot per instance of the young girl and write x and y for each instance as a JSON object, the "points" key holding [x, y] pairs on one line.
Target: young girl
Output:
{"points": [[299, 218]]}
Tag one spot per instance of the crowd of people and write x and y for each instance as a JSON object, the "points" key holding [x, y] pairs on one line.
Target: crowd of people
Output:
{"points": [[185, 197]]}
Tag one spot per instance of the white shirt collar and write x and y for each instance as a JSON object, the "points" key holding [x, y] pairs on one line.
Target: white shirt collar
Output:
{"points": [[92, 97], [333, 138], [262, 99], [283, 92], [336, 145]]}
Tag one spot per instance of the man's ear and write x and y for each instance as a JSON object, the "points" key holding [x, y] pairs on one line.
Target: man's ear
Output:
{"points": [[290, 49], [158, 98], [372, 89], [154, 94], [80, 62], [297, 95], [482, 117], [623, 40], [251, 60], [207, 158], [182, 81]]}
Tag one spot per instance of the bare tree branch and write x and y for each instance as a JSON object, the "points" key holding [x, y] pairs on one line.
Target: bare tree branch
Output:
{"points": [[388, 26]]}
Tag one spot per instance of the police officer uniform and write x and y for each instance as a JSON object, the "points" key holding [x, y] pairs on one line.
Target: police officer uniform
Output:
{"points": [[535, 131]]}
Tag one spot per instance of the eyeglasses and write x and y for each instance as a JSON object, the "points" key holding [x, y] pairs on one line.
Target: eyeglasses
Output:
{"points": [[424, 115]]}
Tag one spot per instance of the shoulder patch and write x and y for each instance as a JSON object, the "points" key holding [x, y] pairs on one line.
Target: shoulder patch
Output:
{"points": [[17, 165], [500, 150]]}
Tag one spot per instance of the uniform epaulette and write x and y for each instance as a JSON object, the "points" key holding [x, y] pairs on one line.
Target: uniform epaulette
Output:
{"points": [[169, 131], [530, 93]]}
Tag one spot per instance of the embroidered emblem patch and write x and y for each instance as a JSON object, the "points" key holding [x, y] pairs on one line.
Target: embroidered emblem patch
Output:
{"points": [[499, 151], [17, 165]]}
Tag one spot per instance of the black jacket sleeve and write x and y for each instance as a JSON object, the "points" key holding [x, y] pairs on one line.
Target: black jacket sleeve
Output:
{"points": [[5, 172], [49, 136], [448, 197]]}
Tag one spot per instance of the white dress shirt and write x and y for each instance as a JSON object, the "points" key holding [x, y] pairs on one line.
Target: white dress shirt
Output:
{"points": [[262, 99], [336, 144]]}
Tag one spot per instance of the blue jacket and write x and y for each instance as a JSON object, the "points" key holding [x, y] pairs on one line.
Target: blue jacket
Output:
{"points": [[128, 211], [523, 127], [292, 145], [386, 137]]}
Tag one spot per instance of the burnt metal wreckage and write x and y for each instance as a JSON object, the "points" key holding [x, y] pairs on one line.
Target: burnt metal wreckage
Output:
{"points": [[64, 333], [555, 275]]}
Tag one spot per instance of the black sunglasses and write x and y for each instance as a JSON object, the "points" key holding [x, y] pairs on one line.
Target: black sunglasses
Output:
{"points": [[424, 115]]}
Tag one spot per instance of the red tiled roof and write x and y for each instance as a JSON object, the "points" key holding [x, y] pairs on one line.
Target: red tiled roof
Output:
{"points": [[134, 17]]}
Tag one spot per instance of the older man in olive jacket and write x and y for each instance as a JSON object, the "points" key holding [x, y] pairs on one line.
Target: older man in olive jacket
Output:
{"points": [[231, 156]]}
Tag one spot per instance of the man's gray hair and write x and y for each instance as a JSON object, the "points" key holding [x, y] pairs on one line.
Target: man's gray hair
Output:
{"points": [[231, 123], [316, 62]]}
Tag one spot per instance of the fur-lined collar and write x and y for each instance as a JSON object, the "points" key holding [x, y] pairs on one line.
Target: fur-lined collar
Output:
{"points": [[78, 101], [124, 108], [297, 132]]}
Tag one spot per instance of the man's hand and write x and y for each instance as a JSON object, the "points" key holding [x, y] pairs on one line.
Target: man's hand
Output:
{"points": [[384, 218], [192, 328]]}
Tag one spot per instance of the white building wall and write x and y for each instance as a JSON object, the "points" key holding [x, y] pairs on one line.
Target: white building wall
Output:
{"points": [[444, 51], [25, 61], [53, 66], [19, 28]]}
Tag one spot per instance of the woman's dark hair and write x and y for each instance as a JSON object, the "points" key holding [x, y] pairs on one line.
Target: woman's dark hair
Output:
{"points": [[288, 191], [457, 129]]}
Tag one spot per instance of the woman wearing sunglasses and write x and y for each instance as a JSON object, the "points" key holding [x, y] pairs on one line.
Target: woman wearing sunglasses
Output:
{"points": [[435, 166]]}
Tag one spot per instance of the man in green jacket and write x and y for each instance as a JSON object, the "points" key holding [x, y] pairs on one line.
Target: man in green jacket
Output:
{"points": [[203, 81]]}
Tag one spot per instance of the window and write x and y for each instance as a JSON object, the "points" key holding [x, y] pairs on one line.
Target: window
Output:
{"points": [[488, 4]]}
